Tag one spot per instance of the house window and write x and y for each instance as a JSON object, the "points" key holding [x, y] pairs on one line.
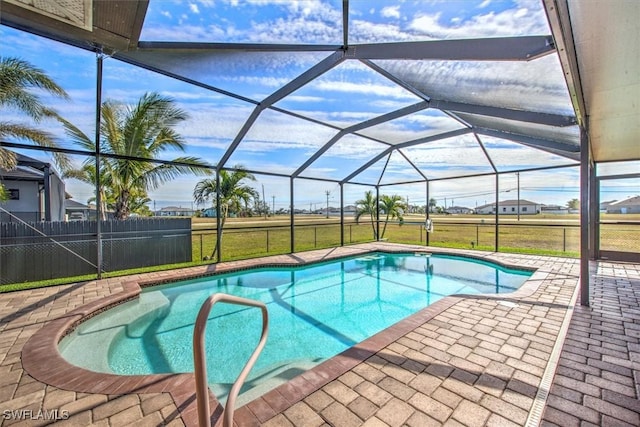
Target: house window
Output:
{"points": [[504, 209], [524, 209], [513, 209], [14, 194]]}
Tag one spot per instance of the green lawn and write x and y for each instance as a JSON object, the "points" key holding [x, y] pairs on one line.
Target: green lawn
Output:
{"points": [[554, 235]]}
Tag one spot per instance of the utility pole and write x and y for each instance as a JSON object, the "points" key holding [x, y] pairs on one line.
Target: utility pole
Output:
{"points": [[327, 192], [264, 203], [274, 204]]}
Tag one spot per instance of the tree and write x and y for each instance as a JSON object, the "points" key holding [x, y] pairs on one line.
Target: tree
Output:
{"points": [[17, 79], [573, 204], [433, 203], [368, 206], [143, 131], [393, 207], [233, 193]]}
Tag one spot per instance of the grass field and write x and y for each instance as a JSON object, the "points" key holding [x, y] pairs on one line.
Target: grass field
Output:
{"points": [[554, 235]]}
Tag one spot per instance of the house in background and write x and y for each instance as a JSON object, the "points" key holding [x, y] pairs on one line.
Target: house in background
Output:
{"points": [[626, 206], [175, 211], [605, 205], [510, 207], [36, 192], [458, 210], [554, 209], [76, 211]]}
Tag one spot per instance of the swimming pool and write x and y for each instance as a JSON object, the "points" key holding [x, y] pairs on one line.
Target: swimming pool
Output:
{"points": [[316, 311]]}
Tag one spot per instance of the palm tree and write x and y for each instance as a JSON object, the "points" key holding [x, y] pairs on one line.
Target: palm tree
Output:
{"points": [[368, 206], [233, 193], [143, 131], [393, 207], [17, 77], [432, 204]]}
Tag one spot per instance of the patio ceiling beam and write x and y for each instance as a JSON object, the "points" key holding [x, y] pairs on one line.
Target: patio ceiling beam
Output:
{"points": [[241, 134], [404, 145], [560, 24], [394, 79], [415, 181], [359, 126], [417, 169], [555, 147], [131, 58], [433, 138], [171, 47], [488, 49], [505, 113], [304, 78], [345, 24]]}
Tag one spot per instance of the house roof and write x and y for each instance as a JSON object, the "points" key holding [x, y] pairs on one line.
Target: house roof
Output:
{"points": [[175, 209], [72, 204], [21, 174], [631, 201]]}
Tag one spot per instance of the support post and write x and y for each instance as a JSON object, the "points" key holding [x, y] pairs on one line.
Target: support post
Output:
{"points": [[426, 239], [377, 213], [99, 213], [497, 226], [585, 183], [46, 171], [291, 218], [341, 214], [218, 219]]}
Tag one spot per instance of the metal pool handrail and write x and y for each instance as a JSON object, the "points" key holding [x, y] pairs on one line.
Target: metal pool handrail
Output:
{"points": [[199, 358]]}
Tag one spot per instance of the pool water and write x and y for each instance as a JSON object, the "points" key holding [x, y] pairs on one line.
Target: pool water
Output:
{"points": [[315, 312]]}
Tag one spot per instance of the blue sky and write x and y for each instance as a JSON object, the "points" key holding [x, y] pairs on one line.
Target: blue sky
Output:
{"points": [[345, 95]]}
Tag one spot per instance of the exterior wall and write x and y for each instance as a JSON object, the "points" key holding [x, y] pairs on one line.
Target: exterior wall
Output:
{"points": [[28, 206], [511, 209], [629, 209]]}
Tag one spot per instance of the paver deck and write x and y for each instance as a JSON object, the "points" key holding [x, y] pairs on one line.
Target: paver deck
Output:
{"points": [[466, 360]]}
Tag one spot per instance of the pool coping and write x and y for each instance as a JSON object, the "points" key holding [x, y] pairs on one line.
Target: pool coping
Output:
{"points": [[43, 361]]}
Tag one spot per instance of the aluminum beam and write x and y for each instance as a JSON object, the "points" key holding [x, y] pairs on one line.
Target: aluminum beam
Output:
{"points": [[171, 47], [345, 23], [559, 148], [404, 145], [241, 134], [359, 126], [505, 113], [560, 24], [304, 78], [488, 49], [585, 181]]}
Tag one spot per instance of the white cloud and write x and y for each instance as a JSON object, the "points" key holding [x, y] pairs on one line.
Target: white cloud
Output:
{"points": [[193, 7], [391, 12], [511, 22], [368, 88]]}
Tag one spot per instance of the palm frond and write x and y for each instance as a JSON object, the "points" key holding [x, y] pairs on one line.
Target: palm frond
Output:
{"points": [[8, 160], [16, 78]]}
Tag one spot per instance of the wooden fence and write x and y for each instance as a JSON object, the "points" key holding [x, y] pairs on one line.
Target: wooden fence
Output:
{"points": [[47, 250]]}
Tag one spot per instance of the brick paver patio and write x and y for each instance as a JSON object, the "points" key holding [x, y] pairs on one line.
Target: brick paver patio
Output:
{"points": [[466, 360]]}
